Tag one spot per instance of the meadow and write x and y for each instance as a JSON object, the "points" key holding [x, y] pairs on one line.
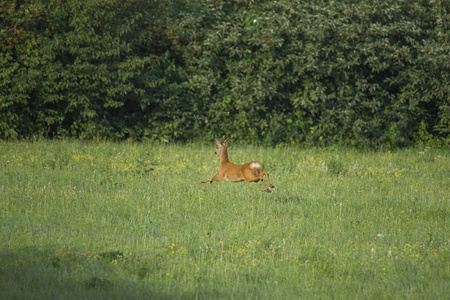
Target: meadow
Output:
{"points": [[105, 220]]}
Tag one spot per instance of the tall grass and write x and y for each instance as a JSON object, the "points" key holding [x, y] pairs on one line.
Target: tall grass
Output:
{"points": [[127, 220]]}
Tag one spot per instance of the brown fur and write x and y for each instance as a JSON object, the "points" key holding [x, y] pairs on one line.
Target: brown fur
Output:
{"points": [[250, 172]]}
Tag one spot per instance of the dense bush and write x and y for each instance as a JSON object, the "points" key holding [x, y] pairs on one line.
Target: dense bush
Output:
{"points": [[365, 73]]}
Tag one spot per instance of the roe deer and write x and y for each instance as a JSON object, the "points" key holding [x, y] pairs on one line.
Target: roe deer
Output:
{"points": [[228, 171]]}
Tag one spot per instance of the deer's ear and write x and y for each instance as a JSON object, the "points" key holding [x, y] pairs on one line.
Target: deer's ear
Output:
{"points": [[226, 142], [218, 143]]}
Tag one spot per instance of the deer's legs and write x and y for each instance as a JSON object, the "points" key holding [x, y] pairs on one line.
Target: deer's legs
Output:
{"points": [[260, 177], [267, 175], [267, 190], [212, 178]]}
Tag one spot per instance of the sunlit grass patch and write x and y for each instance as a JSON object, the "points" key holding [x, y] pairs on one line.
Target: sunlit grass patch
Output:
{"points": [[133, 220]]}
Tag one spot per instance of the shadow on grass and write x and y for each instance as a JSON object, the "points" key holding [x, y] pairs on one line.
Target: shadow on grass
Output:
{"points": [[43, 275], [49, 274]]}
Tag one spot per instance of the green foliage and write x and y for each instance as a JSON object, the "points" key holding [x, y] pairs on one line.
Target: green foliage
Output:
{"points": [[364, 73]]}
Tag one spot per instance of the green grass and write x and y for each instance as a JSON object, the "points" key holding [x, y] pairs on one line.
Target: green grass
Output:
{"points": [[128, 221]]}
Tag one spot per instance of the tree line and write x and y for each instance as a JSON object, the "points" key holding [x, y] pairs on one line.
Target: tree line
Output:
{"points": [[364, 73]]}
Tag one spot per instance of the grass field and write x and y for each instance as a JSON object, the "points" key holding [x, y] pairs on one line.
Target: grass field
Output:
{"points": [[103, 220]]}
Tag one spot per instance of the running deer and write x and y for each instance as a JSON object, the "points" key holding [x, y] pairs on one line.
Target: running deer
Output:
{"points": [[228, 171]]}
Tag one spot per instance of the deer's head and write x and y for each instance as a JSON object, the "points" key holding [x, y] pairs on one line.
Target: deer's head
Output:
{"points": [[221, 146]]}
